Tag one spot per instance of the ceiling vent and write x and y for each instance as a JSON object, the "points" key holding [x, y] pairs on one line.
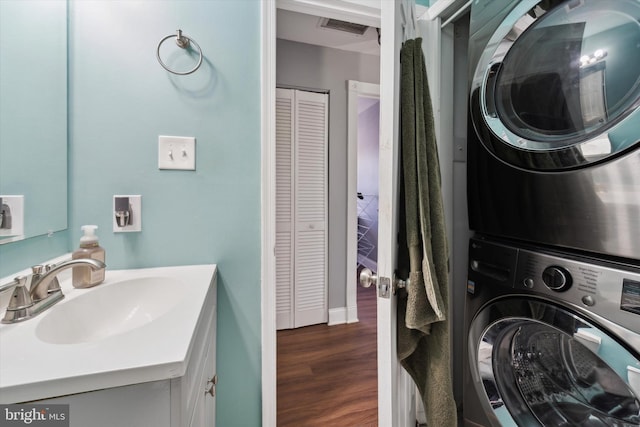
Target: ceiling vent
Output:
{"points": [[348, 27]]}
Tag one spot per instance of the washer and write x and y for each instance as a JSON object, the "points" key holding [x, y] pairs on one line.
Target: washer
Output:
{"points": [[552, 339], [553, 143]]}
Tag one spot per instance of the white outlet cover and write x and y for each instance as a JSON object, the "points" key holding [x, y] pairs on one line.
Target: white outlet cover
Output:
{"points": [[135, 203], [177, 152]]}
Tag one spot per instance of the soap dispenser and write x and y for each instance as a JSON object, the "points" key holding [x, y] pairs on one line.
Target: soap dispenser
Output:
{"points": [[85, 277]]}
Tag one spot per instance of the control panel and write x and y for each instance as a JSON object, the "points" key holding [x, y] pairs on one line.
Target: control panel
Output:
{"points": [[607, 289], [601, 287]]}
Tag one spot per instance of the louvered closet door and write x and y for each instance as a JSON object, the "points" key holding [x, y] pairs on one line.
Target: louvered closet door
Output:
{"points": [[310, 242], [284, 208], [301, 208]]}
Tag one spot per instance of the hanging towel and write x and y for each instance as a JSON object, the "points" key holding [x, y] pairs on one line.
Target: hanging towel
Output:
{"points": [[423, 329]]}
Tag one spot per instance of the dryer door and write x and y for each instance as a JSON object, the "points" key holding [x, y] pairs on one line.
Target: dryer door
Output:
{"points": [[536, 364], [558, 85]]}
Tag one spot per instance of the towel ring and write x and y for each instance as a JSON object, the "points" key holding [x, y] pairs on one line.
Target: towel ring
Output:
{"points": [[183, 42]]}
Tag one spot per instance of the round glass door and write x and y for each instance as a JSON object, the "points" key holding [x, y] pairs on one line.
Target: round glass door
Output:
{"points": [[552, 368], [563, 77]]}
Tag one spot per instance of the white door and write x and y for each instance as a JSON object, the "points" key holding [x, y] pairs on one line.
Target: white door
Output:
{"points": [[284, 208], [310, 194], [301, 208], [394, 385]]}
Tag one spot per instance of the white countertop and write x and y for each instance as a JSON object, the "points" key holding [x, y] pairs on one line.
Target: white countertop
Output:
{"points": [[31, 369]]}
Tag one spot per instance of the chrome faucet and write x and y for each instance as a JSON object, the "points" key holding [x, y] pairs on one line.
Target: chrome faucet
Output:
{"points": [[38, 291]]}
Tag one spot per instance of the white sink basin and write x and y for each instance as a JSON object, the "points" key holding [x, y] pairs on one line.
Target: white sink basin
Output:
{"points": [[114, 309], [138, 326]]}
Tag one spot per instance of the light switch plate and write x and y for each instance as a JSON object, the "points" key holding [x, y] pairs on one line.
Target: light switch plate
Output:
{"points": [[177, 152], [135, 203], [16, 232]]}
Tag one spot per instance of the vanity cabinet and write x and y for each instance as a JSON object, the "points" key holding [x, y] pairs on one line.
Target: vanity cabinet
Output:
{"points": [[184, 400], [192, 395]]}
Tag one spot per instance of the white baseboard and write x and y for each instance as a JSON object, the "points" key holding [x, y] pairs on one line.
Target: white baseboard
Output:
{"points": [[338, 316], [352, 314], [284, 321]]}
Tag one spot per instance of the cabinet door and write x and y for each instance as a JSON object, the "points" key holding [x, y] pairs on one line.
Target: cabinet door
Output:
{"points": [[198, 417], [204, 408], [140, 405], [210, 370]]}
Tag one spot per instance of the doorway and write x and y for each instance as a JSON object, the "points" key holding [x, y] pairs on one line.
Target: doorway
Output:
{"points": [[352, 314], [327, 375], [362, 207], [367, 184], [367, 194]]}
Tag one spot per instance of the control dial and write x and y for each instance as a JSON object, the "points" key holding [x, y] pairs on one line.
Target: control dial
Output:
{"points": [[557, 278]]}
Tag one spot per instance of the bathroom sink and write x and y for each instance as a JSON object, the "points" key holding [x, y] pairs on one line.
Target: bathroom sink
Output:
{"points": [[109, 310], [139, 326]]}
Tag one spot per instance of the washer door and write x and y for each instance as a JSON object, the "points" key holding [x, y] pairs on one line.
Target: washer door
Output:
{"points": [[558, 85], [536, 364]]}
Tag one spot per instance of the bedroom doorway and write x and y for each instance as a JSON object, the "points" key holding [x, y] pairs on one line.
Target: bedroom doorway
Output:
{"points": [[367, 184], [363, 129]]}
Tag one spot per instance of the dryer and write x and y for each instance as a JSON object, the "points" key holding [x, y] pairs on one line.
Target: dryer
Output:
{"points": [[553, 143], [552, 339]]}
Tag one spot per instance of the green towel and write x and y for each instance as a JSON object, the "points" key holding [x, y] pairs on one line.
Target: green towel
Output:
{"points": [[423, 329]]}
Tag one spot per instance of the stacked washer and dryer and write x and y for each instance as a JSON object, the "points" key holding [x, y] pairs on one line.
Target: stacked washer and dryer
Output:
{"points": [[552, 316]]}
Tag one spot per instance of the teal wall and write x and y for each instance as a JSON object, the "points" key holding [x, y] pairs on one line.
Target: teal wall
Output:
{"points": [[120, 100], [20, 255]]}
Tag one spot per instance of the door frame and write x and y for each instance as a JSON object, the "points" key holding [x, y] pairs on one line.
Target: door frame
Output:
{"points": [[268, 210], [355, 90], [347, 10]]}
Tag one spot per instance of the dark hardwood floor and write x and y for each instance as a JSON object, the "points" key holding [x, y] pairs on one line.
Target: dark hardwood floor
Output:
{"points": [[327, 375]]}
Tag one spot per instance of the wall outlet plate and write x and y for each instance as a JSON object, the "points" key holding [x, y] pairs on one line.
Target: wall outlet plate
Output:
{"points": [[177, 152], [135, 206], [16, 206]]}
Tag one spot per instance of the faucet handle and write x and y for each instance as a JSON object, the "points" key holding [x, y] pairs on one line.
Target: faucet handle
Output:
{"points": [[20, 298], [54, 285], [19, 307], [36, 273]]}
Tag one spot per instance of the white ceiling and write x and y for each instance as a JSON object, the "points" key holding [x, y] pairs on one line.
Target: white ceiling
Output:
{"points": [[305, 28]]}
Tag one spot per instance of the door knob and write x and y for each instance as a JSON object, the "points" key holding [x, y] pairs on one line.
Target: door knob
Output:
{"points": [[384, 284], [367, 278]]}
